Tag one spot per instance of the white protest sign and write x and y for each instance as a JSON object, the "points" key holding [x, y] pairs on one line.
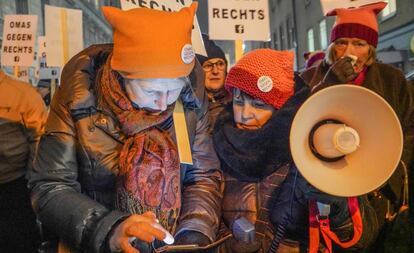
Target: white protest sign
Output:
{"points": [[44, 71], [239, 20], [41, 46], [170, 5], [328, 5], [63, 34], [19, 35]]}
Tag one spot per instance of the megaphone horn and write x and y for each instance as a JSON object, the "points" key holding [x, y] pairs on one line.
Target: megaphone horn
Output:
{"points": [[346, 140]]}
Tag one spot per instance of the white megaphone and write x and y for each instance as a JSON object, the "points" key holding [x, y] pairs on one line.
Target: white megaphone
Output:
{"points": [[346, 140]]}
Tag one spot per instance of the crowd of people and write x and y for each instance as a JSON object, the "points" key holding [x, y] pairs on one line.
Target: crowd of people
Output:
{"points": [[103, 170]]}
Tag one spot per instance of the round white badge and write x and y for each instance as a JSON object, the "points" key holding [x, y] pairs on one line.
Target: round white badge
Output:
{"points": [[265, 84], [187, 54]]}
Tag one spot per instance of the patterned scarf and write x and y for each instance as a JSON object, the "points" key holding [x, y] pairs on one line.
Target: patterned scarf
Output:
{"points": [[149, 169]]}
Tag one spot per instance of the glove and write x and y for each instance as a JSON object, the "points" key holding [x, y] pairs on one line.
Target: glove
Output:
{"points": [[244, 247], [192, 237], [290, 212], [339, 213], [340, 72]]}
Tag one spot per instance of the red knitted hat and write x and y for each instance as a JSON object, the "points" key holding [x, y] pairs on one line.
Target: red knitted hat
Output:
{"points": [[358, 22], [265, 74]]}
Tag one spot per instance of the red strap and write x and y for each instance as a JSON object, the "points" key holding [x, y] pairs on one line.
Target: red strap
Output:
{"points": [[327, 234], [313, 228]]}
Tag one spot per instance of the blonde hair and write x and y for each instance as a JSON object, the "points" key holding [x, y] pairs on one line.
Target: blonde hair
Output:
{"points": [[330, 57]]}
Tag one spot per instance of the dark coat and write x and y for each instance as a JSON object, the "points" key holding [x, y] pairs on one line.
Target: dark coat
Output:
{"points": [[390, 84], [73, 188], [217, 102]]}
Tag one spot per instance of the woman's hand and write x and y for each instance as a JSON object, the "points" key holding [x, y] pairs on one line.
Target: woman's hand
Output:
{"points": [[144, 227], [341, 72]]}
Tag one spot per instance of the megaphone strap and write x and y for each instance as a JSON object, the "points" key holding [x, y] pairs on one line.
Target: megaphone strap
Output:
{"points": [[312, 144], [322, 225]]}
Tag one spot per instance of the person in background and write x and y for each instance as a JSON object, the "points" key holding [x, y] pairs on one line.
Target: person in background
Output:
{"points": [[313, 58], [215, 69], [251, 138], [351, 59], [22, 118], [107, 176], [43, 87]]}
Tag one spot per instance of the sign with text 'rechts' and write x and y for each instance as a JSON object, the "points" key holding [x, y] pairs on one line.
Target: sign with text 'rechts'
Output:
{"points": [[239, 20], [19, 37], [170, 5], [328, 5], [64, 34]]}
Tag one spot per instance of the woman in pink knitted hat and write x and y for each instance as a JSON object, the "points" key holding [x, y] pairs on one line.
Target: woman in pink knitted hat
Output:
{"points": [[251, 138], [351, 59]]}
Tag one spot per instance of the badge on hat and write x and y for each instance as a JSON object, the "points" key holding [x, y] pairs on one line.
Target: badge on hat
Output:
{"points": [[187, 54], [265, 84]]}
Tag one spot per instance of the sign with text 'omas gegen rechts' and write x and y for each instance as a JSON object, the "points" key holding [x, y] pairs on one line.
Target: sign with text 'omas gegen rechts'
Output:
{"points": [[170, 5], [328, 5], [19, 36], [239, 20]]}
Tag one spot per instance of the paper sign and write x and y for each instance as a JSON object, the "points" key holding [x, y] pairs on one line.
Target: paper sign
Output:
{"points": [[43, 70], [239, 20], [328, 5], [170, 5], [19, 36], [64, 34]]}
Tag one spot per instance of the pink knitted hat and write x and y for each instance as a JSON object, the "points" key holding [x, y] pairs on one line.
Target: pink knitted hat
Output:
{"points": [[265, 74], [358, 22]]}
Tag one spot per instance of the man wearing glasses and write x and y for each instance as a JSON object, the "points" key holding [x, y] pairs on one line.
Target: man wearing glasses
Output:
{"points": [[215, 69]]}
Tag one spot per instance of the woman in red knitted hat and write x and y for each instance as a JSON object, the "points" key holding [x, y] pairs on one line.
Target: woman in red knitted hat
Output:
{"points": [[351, 59], [251, 138]]}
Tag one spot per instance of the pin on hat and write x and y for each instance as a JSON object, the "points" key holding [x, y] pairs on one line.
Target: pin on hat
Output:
{"points": [[265, 84]]}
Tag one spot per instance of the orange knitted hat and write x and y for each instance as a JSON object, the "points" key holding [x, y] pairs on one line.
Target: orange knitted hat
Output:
{"points": [[151, 43], [358, 22], [265, 74]]}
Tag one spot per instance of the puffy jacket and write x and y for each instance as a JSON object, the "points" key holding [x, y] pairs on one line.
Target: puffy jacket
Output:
{"points": [[22, 118], [252, 200], [72, 186]]}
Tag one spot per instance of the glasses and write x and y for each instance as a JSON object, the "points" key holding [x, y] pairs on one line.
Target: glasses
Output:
{"points": [[208, 66]]}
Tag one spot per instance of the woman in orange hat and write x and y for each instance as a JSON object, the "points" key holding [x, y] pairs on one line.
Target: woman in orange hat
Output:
{"points": [[351, 59], [108, 177], [265, 203]]}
